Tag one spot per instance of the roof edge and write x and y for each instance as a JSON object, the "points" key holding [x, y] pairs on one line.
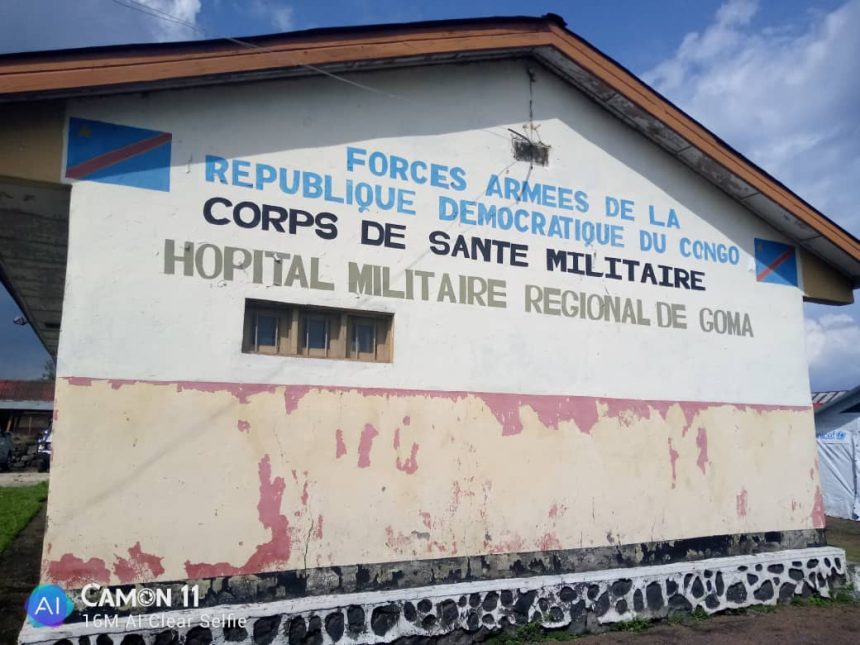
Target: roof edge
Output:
{"points": [[262, 40]]}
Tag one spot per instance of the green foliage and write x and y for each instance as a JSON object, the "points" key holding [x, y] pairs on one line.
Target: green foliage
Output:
{"points": [[634, 625], [49, 370], [844, 594], [18, 505], [531, 633], [699, 614]]}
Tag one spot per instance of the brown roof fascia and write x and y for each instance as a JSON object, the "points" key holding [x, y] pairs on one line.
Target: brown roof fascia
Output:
{"points": [[133, 65]]}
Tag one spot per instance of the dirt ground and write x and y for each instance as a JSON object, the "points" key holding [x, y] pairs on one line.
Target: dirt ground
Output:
{"points": [[828, 625], [809, 625], [22, 479], [19, 573], [846, 535]]}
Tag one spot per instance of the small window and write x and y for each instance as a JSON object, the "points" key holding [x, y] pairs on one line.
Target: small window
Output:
{"points": [[367, 338], [268, 332], [316, 332], [320, 334]]}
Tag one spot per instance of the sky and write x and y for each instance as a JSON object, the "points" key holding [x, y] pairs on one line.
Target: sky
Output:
{"points": [[776, 79]]}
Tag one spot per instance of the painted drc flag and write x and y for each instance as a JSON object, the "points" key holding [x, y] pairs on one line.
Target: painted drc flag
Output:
{"points": [[118, 154], [775, 262]]}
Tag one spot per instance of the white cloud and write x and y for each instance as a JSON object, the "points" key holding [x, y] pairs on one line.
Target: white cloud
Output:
{"points": [[178, 19], [279, 14], [283, 18], [43, 24], [833, 348], [788, 97]]}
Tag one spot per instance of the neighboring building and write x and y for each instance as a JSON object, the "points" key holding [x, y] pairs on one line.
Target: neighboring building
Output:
{"points": [[820, 399], [26, 407], [389, 331], [837, 429]]}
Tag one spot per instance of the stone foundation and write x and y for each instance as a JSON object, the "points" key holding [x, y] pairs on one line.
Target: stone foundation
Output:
{"points": [[577, 601]]}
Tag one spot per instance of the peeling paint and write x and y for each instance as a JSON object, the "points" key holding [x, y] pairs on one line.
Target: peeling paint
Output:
{"points": [[318, 531], [817, 515], [548, 542], [702, 444], [628, 411], [138, 567], [673, 458], [506, 408], [741, 503], [468, 446], [410, 465], [75, 572], [398, 541], [293, 394], [551, 409], [556, 510], [243, 425], [340, 446], [271, 555], [305, 494], [365, 444]]}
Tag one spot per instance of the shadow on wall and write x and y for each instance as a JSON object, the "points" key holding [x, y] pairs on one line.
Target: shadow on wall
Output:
{"points": [[323, 112]]}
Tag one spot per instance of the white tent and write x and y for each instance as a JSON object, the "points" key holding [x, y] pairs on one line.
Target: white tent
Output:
{"points": [[837, 429]]}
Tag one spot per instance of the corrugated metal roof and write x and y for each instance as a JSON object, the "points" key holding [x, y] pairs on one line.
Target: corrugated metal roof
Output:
{"points": [[823, 398]]}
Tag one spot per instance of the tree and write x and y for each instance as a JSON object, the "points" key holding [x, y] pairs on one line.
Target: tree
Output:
{"points": [[49, 370]]}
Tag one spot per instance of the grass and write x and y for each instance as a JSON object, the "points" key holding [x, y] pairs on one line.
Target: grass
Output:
{"points": [[531, 633], [843, 595], [846, 535], [18, 505], [534, 633], [634, 625]]}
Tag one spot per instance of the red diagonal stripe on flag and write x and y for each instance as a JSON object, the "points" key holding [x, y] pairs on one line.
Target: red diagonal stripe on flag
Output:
{"points": [[770, 268], [106, 159]]}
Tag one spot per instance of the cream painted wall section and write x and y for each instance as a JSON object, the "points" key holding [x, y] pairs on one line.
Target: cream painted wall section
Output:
{"points": [[821, 283], [32, 140], [208, 485]]}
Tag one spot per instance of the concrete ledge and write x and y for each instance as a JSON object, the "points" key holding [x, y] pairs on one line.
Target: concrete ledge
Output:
{"points": [[577, 601]]}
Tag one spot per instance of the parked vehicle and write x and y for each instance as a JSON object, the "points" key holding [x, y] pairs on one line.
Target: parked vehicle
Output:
{"points": [[43, 451], [5, 450]]}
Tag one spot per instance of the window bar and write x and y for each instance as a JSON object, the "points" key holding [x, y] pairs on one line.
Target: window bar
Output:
{"points": [[326, 335]]}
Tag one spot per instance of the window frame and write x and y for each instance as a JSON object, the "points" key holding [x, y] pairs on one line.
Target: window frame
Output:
{"points": [[292, 331]]}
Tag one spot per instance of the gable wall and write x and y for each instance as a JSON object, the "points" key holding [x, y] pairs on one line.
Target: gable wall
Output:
{"points": [[620, 432]]}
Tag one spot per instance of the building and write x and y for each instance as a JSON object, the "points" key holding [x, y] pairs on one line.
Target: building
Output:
{"points": [[391, 331], [837, 429], [820, 399], [26, 407]]}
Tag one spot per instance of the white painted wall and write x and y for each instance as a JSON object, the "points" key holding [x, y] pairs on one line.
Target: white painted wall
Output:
{"points": [[124, 318]]}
